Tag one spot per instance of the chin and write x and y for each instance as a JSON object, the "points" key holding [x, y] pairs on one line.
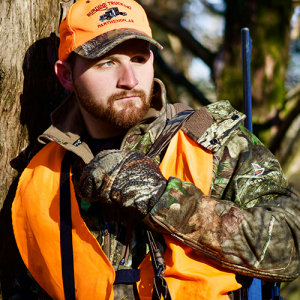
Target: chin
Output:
{"points": [[128, 104], [129, 116]]}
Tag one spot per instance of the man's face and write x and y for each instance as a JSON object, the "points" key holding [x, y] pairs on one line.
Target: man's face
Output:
{"points": [[117, 87]]}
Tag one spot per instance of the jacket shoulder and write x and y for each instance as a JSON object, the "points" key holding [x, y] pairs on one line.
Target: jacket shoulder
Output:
{"points": [[212, 125]]}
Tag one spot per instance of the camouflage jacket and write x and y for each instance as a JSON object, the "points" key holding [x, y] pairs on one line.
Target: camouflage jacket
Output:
{"points": [[249, 222]]}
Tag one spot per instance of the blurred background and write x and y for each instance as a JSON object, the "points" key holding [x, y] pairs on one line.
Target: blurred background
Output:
{"points": [[201, 63]]}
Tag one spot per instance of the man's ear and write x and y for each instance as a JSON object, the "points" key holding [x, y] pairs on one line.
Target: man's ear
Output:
{"points": [[151, 56], [64, 73]]}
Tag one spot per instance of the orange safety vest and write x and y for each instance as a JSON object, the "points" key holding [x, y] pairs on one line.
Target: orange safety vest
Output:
{"points": [[36, 223]]}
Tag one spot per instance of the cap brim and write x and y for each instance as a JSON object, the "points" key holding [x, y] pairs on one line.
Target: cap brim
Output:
{"points": [[103, 43]]}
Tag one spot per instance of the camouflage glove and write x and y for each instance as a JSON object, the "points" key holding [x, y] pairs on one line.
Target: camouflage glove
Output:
{"points": [[128, 178]]}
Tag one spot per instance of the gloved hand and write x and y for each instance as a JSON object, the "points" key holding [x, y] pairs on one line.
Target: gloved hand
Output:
{"points": [[128, 178]]}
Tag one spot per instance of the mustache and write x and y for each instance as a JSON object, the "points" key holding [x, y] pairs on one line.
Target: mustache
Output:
{"points": [[123, 94]]}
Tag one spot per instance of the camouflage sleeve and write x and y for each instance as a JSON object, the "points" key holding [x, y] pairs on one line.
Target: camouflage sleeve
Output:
{"points": [[250, 223]]}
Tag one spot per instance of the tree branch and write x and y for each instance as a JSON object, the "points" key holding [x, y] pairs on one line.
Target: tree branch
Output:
{"points": [[183, 34], [275, 144], [212, 8], [292, 93], [274, 121], [180, 79]]}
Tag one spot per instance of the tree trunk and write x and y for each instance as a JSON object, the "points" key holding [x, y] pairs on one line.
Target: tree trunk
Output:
{"points": [[269, 23], [29, 91]]}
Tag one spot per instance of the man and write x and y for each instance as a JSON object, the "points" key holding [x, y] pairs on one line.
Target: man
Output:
{"points": [[217, 194]]}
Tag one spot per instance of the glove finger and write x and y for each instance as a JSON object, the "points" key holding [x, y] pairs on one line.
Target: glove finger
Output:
{"points": [[98, 176], [139, 183], [88, 184]]}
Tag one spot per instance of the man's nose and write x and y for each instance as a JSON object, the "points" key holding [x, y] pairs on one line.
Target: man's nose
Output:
{"points": [[127, 78]]}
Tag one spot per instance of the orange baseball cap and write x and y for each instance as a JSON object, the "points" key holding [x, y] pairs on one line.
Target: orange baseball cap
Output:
{"points": [[93, 27]]}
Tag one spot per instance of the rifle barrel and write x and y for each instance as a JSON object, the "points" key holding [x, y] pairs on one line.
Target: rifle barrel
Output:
{"points": [[246, 56]]}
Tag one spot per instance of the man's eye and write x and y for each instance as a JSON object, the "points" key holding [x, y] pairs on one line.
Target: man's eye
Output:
{"points": [[107, 64], [139, 59], [104, 64]]}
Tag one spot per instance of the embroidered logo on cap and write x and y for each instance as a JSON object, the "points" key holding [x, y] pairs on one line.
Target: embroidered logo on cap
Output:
{"points": [[111, 13], [258, 170], [100, 7]]}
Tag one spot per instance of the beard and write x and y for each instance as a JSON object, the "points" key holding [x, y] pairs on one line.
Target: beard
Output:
{"points": [[126, 117]]}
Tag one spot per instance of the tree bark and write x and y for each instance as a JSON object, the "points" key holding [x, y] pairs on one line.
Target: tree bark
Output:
{"points": [[29, 92]]}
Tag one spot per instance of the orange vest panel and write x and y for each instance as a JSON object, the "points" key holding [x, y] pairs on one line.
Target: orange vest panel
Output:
{"points": [[189, 275], [36, 223]]}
